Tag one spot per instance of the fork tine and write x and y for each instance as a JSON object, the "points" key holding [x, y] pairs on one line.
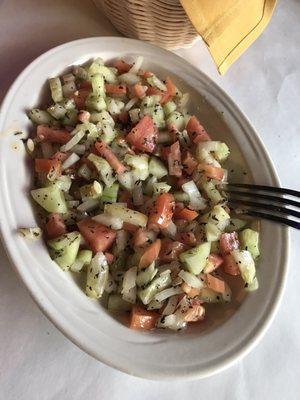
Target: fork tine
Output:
{"points": [[275, 218], [290, 192], [275, 199], [264, 206]]}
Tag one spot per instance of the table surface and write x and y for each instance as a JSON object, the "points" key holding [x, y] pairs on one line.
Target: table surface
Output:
{"points": [[37, 361]]}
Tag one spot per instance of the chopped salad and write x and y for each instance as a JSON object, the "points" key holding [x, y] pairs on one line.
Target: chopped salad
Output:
{"points": [[129, 185]]}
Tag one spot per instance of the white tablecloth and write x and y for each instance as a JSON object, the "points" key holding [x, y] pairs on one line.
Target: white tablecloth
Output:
{"points": [[36, 361]]}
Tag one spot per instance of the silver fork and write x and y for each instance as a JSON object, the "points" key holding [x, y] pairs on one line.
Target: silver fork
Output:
{"points": [[259, 197]]}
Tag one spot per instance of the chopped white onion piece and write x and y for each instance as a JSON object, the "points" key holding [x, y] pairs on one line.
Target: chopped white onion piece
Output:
{"points": [[172, 321], [170, 231], [183, 102], [129, 78], [89, 205], [109, 220], [72, 159], [158, 83], [137, 65], [129, 287], [110, 285], [121, 240], [77, 266], [197, 202], [131, 103], [74, 140], [164, 294], [85, 172], [191, 279]]}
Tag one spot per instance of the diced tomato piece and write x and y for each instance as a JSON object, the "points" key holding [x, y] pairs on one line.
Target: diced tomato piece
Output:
{"points": [[191, 292], [229, 242], [165, 152], [85, 85], [164, 96], [196, 131], [174, 160], [60, 156], [80, 97], [170, 250], [150, 254], [105, 151], [52, 135], [186, 213], [122, 66], [55, 226], [171, 88], [230, 266], [188, 162], [143, 237], [163, 210], [142, 319], [99, 237], [144, 135], [138, 90], [129, 227], [187, 238], [83, 116], [195, 312], [109, 257], [215, 283], [211, 172], [214, 261], [181, 222], [110, 88], [49, 166]]}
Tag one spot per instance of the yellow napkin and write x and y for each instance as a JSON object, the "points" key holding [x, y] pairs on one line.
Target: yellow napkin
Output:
{"points": [[228, 27]]}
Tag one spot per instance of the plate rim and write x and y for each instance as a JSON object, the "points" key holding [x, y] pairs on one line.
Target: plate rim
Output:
{"points": [[55, 318]]}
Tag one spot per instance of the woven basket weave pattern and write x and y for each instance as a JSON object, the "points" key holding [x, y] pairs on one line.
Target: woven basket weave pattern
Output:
{"points": [[161, 22]]}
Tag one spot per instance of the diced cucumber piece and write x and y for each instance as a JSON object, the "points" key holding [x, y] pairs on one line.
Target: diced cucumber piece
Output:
{"points": [[85, 256], [145, 276], [97, 276], [57, 111], [196, 258], [108, 133], [126, 180], [114, 106], [80, 72], [157, 285], [95, 102], [139, 162], [211, 192], [161, 187], [176, 119], [245, 262], [110, 194], [70, 118], [252, 286], [222, 152], [68, 104], [249, 240], [217, 216], [40, 116], [56, 89], [182, 197], [117, 304], [149, 101], [157, 114], [64, 249], [148, 188], [157, 168], [91, 191], [104, 169], [98, 85], [156, 82], [50, 198], [208, 295], [212, 232], [169, 107], [235, 225], [108, 73]]}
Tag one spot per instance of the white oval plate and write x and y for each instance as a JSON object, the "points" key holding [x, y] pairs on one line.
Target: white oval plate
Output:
{"points": [[204, 349]]}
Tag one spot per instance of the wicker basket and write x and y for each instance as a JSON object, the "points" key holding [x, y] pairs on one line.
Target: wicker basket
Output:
{"points": [[161, 22]]}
